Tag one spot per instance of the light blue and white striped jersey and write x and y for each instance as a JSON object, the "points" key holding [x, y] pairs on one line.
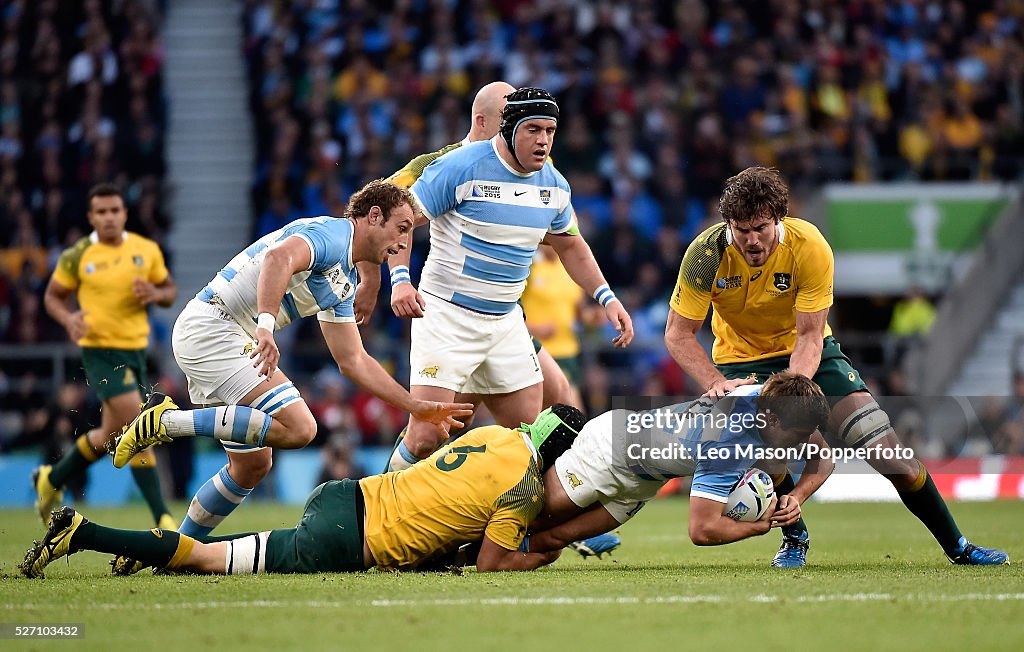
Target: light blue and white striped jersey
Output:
{"points": [[727, 426], [327, 289], [486, 221]]}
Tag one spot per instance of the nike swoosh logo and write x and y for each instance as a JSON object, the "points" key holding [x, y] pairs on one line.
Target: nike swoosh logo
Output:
{"points": [[520, 193], [224, 419]]}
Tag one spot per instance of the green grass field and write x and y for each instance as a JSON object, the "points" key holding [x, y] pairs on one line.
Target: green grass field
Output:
{"points": [[876, 580]]}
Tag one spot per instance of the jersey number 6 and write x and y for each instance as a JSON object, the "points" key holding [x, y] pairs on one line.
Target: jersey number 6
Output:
{"points": [[460, 453]]}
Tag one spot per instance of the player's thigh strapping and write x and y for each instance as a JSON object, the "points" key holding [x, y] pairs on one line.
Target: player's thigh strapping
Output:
{"points": [[471, 352]]}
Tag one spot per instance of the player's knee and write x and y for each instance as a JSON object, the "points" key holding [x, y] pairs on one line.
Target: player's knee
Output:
{"points": [[249, 469], [300, 433], [423, 443]]}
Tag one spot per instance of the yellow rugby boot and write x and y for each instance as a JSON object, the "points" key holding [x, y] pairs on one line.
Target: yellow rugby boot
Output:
{"points": [[145, 431], [56, 541], [47, 495]]}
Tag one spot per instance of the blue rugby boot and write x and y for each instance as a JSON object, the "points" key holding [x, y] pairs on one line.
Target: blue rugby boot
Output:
{"points": [[793, 552], [968, 554], [597, 545]]}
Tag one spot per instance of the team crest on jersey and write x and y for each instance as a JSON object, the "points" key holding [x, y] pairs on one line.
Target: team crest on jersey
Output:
{"points": [[783, 281], [137, 260], [430, 372], [545, 196]]}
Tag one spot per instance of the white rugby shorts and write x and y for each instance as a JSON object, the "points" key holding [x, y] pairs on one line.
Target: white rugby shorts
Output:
{"points": [[589, 475], [467, 351], [213, 352]]}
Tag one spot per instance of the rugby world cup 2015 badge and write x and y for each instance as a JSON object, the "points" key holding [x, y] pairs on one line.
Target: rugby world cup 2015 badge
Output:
{"points": [[545, 196], [783, 281]]}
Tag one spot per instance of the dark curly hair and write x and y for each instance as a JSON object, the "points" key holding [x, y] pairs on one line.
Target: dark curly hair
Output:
{"points": [[378, 192], [754, 192]]}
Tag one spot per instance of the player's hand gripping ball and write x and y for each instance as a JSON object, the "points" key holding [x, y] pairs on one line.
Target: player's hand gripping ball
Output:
{"points": [[751, 497]]}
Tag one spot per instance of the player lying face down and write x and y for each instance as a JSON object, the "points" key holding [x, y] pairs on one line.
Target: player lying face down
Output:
{"points": [[605, 478], [485, 487]]}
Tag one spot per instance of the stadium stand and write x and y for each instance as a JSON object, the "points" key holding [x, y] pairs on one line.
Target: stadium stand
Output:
{"points": [[661, 101], [81, 102]]}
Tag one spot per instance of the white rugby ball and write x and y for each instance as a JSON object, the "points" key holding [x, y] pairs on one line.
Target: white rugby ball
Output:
{"points": [[750, 497]]}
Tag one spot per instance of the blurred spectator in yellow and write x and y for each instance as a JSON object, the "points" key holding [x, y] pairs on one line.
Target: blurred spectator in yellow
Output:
{"points": [[912, 318]]}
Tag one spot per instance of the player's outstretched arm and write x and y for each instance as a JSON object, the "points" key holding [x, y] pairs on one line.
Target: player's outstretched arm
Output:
{"points": [[590, 523], [493, 557], [709, 526], [582, 267], [346, 346], [681, 342]]}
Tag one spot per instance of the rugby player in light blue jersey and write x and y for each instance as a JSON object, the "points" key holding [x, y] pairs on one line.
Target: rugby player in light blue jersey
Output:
{"points": [[618, 463], [490, 204], [224, 343]]}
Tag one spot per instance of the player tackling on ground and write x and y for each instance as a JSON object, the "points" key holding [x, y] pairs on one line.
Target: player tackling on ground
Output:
{"points": [[486, 487], [607, 476], [769, 280]]}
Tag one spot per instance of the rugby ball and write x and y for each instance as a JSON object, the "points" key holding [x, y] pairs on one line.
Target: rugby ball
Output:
{"points": [[750, 497]]}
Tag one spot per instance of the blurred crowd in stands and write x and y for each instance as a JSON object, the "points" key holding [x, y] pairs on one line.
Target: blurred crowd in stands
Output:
{"points": [[81, 102], [661, 101]]}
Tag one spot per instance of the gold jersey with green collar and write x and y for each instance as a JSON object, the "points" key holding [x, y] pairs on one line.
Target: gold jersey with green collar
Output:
{"points": [[413, 170], [486, 483], [754, 308], [103, 276]]}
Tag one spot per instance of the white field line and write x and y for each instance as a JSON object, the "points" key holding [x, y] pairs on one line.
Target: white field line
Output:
{"points": [[513, 601]]}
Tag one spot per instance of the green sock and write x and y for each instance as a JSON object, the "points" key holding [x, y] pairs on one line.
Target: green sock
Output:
{"points": [[148, 480], [73, 463], [797, 529], [927, 504], [152, 547]]}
